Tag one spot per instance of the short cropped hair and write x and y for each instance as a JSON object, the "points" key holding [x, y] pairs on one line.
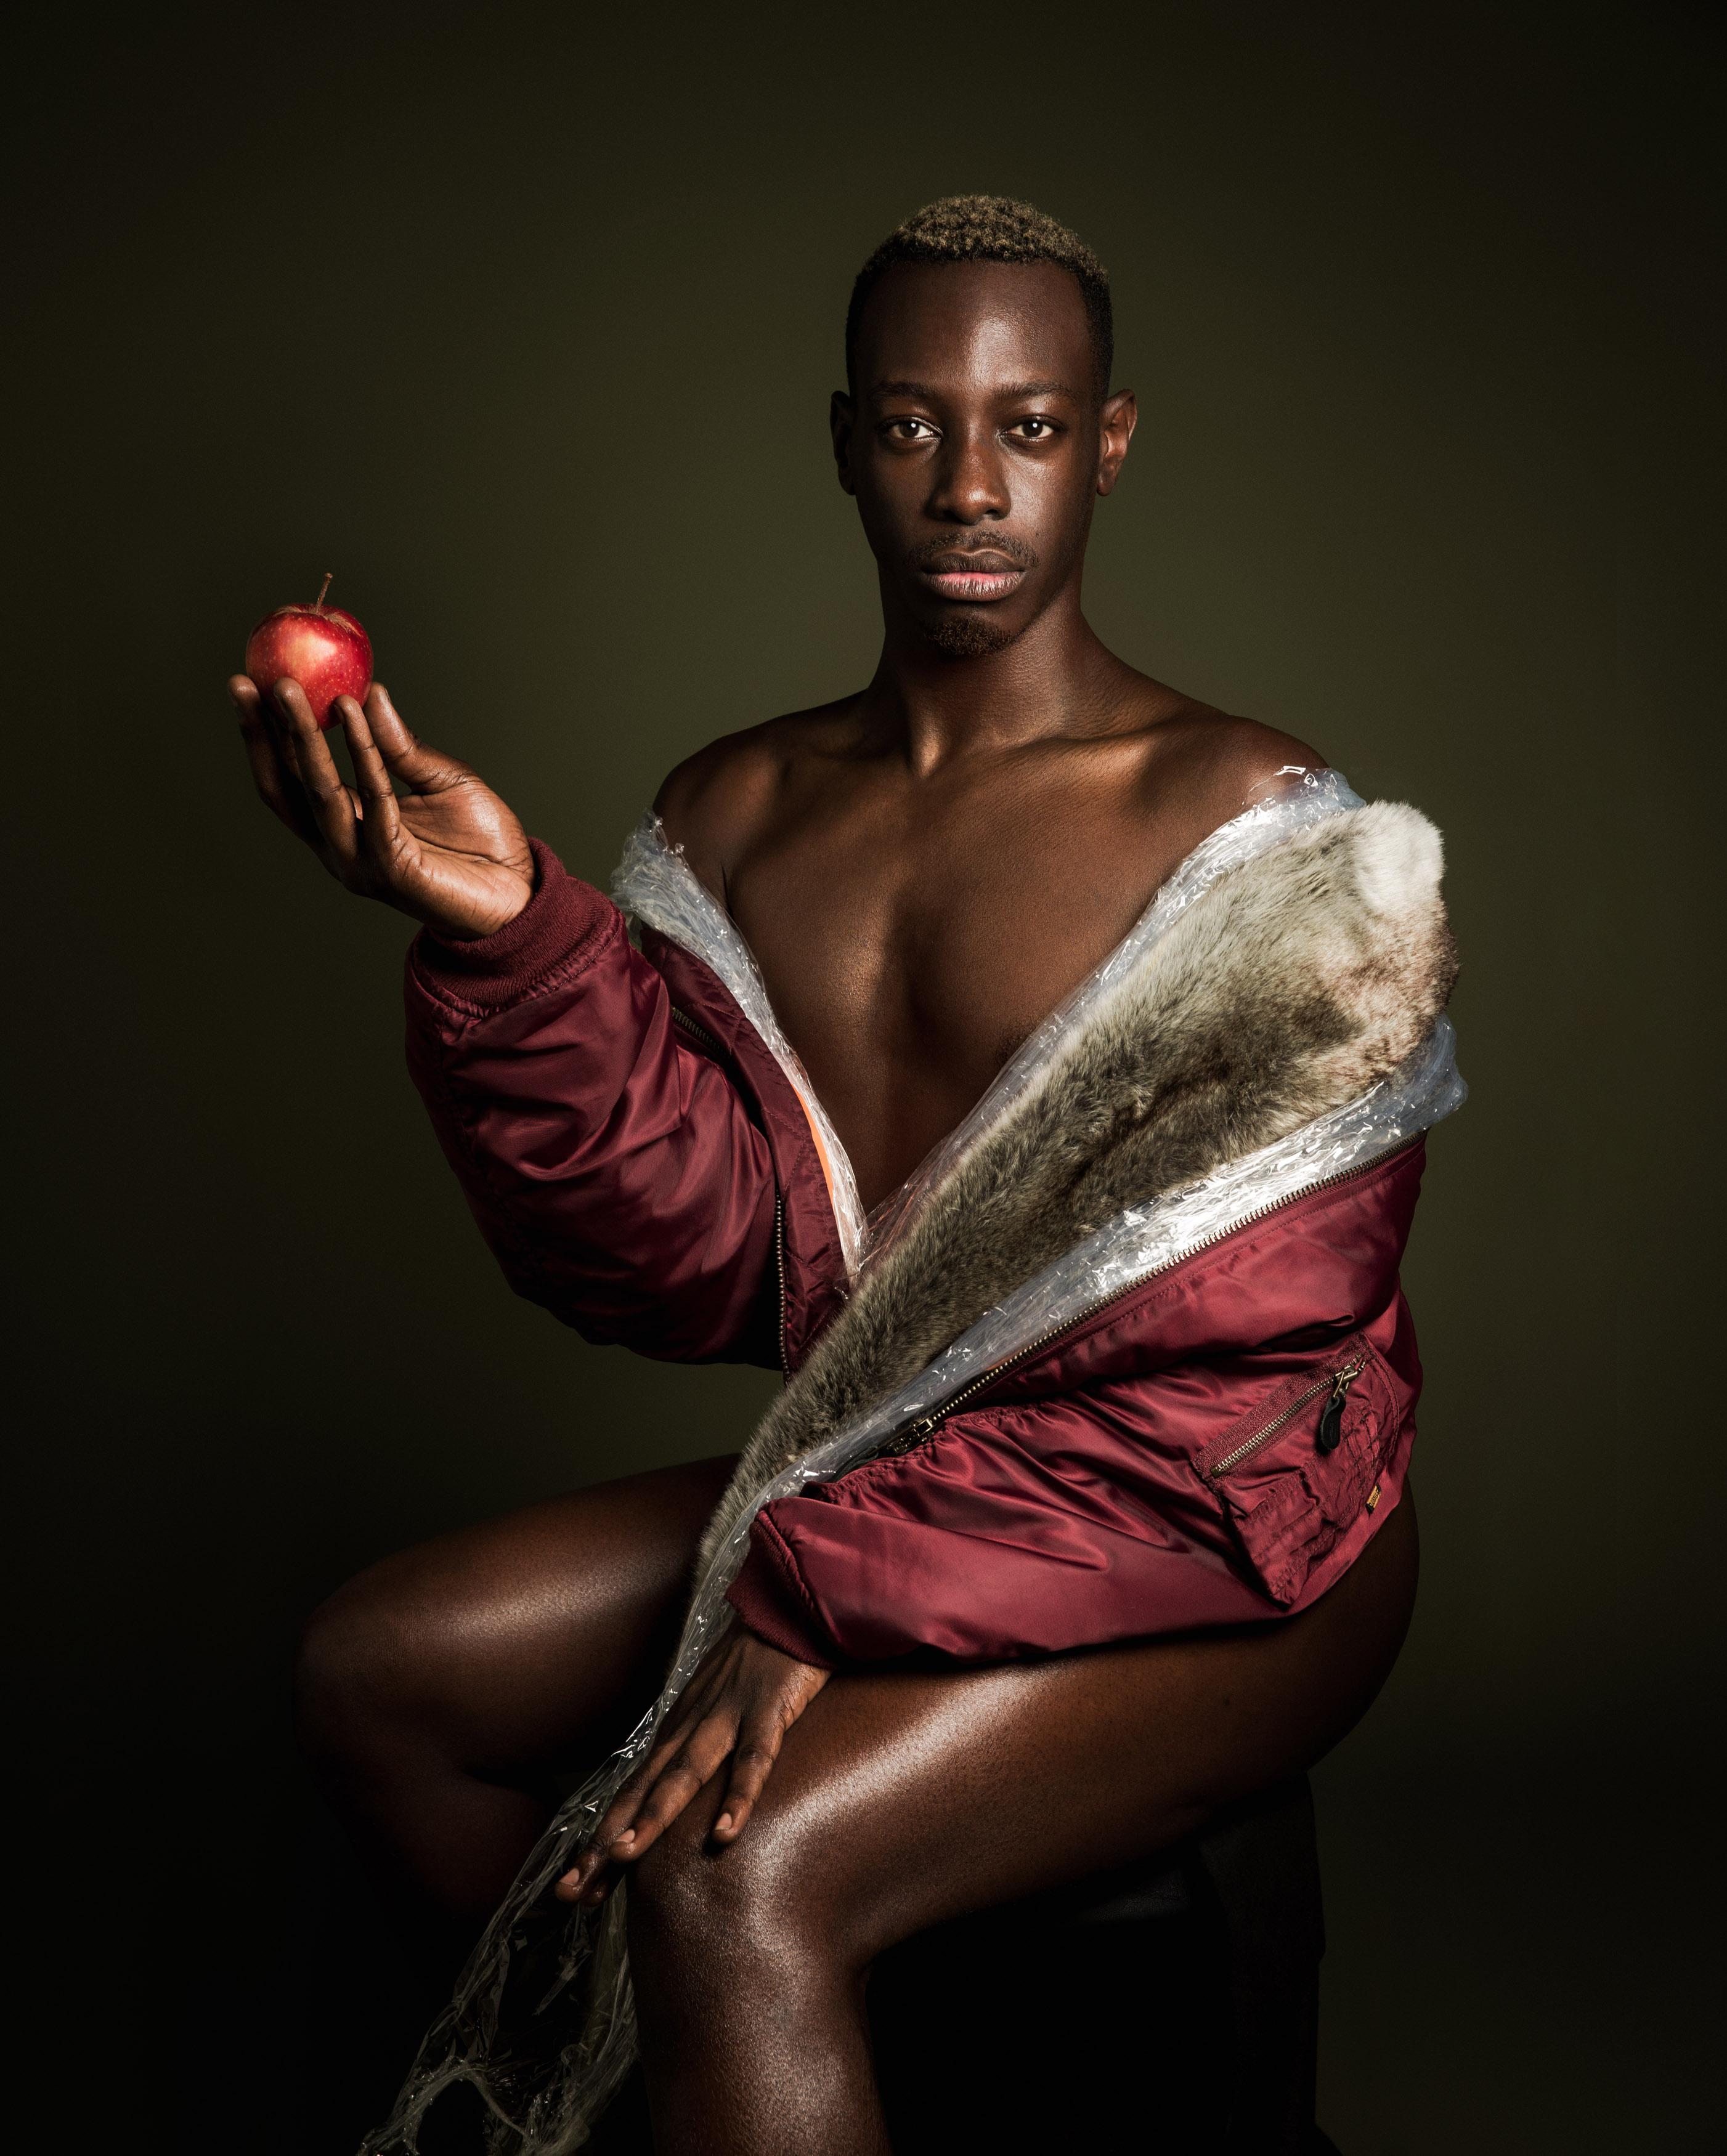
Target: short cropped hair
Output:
{"points": [[990, 228]]}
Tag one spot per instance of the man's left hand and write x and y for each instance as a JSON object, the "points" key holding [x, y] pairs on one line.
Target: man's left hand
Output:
{"points": [[737, 1707]]}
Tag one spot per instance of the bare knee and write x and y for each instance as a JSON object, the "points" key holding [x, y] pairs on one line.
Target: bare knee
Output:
{"points": [[362, 1674], [695, 1898], [758, 1913]]}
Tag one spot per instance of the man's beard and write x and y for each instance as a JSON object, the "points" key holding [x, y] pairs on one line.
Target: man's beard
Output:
{"points": [[975, 633], [971, 635]]}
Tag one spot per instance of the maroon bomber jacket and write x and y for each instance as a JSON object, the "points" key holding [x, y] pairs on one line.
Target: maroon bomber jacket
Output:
{"points": [[641, 1165]]}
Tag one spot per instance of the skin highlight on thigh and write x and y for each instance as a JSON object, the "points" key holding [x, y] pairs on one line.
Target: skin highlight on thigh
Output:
{"points": [[442, 1691], [902, 1799]]}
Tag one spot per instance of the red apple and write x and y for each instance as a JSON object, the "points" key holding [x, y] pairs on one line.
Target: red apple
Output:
{"points": [[322, 648]]}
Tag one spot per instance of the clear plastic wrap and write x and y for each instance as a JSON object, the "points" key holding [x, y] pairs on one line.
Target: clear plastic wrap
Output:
{"points": [[545, 2060], [654, 885], [1303, 799]]}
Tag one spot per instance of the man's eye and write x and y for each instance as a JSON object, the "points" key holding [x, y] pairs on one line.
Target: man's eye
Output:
{"points": [[909, 430], [1033, 431]]}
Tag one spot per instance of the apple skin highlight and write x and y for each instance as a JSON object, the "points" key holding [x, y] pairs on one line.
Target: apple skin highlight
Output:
{"points": [[322, 648]]}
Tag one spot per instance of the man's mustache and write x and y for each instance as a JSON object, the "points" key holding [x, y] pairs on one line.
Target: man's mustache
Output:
{"points": [[938, 554]]}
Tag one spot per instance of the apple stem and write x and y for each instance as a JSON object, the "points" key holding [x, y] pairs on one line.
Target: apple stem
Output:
{"points": [[323, 587]]}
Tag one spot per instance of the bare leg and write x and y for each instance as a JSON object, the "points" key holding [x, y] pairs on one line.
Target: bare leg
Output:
{"points": [[900, 1800], [441, 1690]]}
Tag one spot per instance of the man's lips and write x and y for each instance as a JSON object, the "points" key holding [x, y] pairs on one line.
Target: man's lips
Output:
{"points": [[973, 577]]}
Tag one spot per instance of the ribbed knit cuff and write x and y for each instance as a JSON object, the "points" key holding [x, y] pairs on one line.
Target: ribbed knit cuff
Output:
{"points": [[563, 925], [771, 1599]]}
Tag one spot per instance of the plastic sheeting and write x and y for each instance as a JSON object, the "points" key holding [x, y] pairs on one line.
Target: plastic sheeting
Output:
{"points": [[1303, 799], [541, 2025], [655, 886]]}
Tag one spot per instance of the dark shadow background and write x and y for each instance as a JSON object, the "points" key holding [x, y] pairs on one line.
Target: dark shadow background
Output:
{"points": [[524, 322]]}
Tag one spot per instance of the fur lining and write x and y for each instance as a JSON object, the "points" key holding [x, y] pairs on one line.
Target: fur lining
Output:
{"points": [[1295, 983]]}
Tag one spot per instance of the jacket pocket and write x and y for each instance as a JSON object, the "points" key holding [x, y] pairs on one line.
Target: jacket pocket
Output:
{"points": [[1298, 1470]]}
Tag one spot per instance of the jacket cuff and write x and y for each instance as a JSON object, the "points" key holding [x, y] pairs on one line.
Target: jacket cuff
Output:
{"points": [[773, 1602], [563, 921]]}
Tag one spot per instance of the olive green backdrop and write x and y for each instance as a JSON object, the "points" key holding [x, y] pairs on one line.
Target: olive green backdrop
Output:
{"points": [[524, 322]]}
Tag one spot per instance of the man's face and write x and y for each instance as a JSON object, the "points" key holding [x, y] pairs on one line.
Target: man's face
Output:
{"points": [[977, 443]]}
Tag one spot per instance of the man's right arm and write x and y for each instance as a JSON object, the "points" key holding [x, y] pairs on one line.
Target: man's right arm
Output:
{"points": [[611, 1166], [614, 1168]]}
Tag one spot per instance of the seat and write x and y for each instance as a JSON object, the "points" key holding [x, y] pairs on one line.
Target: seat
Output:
{"points": [[1172, 2006]]}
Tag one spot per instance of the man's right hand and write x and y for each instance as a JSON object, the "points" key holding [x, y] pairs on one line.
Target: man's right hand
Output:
{"points": [[448, 852]]}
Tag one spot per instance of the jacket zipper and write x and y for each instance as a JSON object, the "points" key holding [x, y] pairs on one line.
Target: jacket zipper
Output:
{"points": [[697, 1033], [1330, 1416], [925, 1426], [779, 1269]]}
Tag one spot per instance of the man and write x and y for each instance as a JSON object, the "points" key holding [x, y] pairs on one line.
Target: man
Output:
{"points": [[892, 1732]]}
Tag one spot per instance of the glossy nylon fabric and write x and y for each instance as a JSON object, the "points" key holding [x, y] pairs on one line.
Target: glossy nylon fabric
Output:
{"points": [[541, 2025]]}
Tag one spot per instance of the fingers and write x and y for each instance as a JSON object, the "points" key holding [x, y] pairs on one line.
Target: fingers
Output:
{"points": [[330, 804], [389, 729], [619, 1815], [615, 1836], [758, 1748], [738, 1706], [281, 794], [381, 820], [709, 1746], [675, 1773], [280, 736], [423, 769]]}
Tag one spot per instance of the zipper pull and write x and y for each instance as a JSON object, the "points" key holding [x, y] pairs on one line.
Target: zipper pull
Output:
{"points": [[913, 1434], [1330, 1431]]}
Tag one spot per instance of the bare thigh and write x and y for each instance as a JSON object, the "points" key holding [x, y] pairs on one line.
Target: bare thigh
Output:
{"points": [[903, 1799], [442, 1691]]}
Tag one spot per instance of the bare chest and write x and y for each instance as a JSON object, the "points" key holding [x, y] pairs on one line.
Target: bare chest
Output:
{"points": [[908, 956]]}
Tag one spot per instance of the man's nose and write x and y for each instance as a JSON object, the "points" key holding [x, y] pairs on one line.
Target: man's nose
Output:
{"points": [[970, 480]]}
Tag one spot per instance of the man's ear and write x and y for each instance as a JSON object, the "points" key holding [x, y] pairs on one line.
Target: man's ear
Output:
{"points": [[1121, 415], [842, 417]]}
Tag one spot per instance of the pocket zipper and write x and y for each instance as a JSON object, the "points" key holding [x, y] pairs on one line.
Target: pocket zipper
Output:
{"points": [[699, 1034], [1329, 1434], [1331, 1417], [925, 1426]]}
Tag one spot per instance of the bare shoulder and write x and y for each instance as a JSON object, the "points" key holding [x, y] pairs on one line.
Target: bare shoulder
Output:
{"points": [[1209, 764], [715, 803]]}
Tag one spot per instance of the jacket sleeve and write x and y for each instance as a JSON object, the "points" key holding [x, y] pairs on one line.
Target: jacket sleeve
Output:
{"points": [[611, 1166], [1083, 1518], [1019, 1532]]}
